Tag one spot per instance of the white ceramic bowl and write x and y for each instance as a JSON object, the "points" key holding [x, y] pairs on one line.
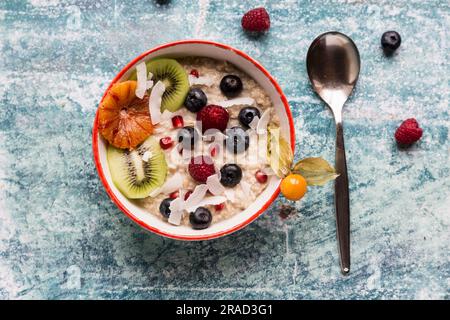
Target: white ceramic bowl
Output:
{"points": [[241, 60]]}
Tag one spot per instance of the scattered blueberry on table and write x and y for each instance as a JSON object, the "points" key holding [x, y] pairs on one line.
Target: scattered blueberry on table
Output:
{"points": [[390, 41]]}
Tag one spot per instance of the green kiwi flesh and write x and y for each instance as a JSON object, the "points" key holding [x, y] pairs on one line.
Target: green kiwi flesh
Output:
{"points": [[135, 178], [174, 77]]}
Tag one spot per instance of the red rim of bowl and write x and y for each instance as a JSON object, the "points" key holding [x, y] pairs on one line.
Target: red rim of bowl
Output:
{"points": [[127, 212]]}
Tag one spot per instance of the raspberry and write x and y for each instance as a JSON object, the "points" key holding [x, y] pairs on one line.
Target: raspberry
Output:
{"points": [[200, 168], [213, 117], [213, 152], [256, 20], [408, 132]]}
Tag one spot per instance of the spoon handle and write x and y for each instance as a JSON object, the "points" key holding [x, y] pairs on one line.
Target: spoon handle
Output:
{"points": [[341, 201]]}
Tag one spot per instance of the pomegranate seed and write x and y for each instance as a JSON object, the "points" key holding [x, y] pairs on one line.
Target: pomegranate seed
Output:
{"points": [[213, 152], [174, 195], [186, 196], [261, 177], [219, 207], [166, 143], [177, 122], [194, 72]]}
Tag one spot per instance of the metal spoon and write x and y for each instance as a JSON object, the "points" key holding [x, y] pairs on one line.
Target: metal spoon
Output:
{"points": [[333, 67]]}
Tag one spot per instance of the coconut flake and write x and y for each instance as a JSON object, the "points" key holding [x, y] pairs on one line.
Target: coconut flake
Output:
{"points": [[172, 184], [166, 115], [177, 204], [214, 185], [147, 155], [207, 201], [197, 195], [176, 211], [201, 81], [271, 174], [175, 217], [219, 175], [246, 188], [254, 123], [268, 171], [187, 154], [175, 156], [155, 192], [154, 102], [261, 128], [230, 194], [159, 129], [150, 82], [141, 73], [237, 102]]}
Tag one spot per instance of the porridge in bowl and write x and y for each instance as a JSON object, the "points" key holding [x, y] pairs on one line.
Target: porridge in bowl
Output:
{"points": [[188, 139]]}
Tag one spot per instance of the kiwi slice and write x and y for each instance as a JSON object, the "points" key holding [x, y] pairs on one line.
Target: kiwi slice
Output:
{"points": [[174, 77], [135, 178]]}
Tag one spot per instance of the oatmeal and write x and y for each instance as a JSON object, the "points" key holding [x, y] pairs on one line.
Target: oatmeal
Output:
{"points": [[202, 159]]}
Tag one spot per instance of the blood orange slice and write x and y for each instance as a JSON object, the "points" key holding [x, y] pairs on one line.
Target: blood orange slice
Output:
{"points": [[124, 119]]}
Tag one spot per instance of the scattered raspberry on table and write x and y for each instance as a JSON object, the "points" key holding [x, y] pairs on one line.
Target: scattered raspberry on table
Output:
{"points": [[408, 132], [256, 20]]}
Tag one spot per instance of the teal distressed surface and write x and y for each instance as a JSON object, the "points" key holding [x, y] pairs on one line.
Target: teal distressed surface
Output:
{"points": [[61, 237]]}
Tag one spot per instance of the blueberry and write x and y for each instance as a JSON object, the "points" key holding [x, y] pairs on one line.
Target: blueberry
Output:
{"points": [[195, 100], [231, 85], [237, 140], [188, 136], [390, 41], [230, 175], [164, 207], [201, 218], [162, 2], [247, 114]]}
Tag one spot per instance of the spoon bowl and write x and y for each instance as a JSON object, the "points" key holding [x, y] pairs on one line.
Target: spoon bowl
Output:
{"points": [[333, 65]]}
